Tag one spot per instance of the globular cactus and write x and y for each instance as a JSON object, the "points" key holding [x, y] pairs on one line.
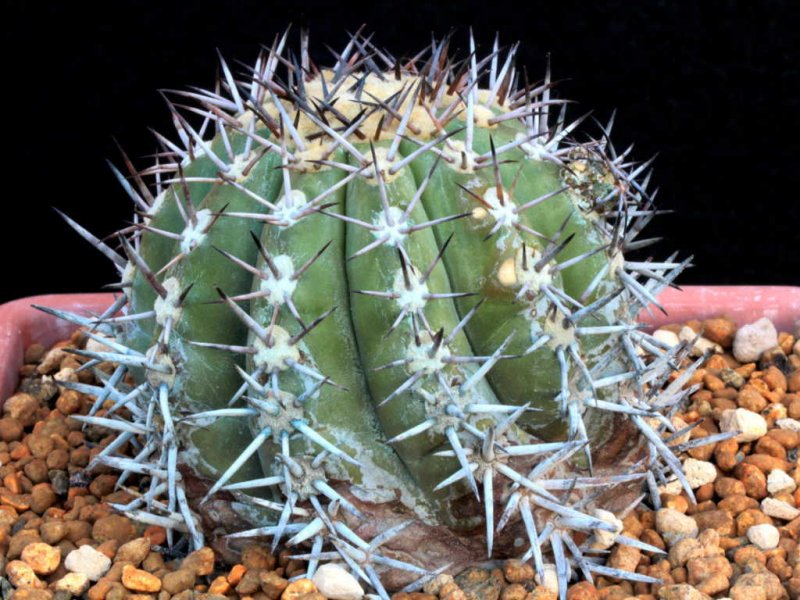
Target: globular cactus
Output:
{"points": [[383, 313]]}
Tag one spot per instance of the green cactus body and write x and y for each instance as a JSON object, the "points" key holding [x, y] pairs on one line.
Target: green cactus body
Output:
{"points": [[400, 288]]}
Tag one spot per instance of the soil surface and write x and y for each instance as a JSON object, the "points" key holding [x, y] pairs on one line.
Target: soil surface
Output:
{"points": [[60, 537]]}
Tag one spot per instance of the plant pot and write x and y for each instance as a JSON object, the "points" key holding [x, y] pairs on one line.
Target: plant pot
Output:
{"points": [[743, 303], [22, 325]]}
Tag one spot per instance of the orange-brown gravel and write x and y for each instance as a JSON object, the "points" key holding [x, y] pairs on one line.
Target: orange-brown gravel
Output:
{"points": [[50, 505]]}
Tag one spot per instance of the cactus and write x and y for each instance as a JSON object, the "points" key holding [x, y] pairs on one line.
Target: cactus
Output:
{"points": [[382, 313]]}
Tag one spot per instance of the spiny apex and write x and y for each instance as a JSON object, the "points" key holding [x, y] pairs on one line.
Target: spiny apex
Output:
{"points": [[383, 311]]}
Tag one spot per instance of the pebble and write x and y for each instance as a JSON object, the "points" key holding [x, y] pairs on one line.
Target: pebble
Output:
{"points": [[485, 584], [701, 569], [251, 583], [219, 587], [22, 575], [134, 551], [750, 425], [625, 558], [437, 583], [550, 578], [272, 584], [668, 337], [93, 345], [603, 540], [701, 344], [683, 551], [731, 378], [337, 584], [764, 536], [200, 561], [299, 589], [114, 527], [22, 407], [88, 561], [675, 526], [178, 581], [74, 583], [779, 509], [516, 571], [753, 339], [672, 488], [720, 521], [59, 481], [681, 591], [780, 481], [699, 472], [761, 585], [582, 590], [255, 557], [140, 581], [788, 424], [10, 430], [19, 540], [514, 591], [42, 558], [720, 330]]}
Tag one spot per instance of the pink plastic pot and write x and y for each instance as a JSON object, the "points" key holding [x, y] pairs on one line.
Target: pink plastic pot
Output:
{"points": [[743, 303], [22, 325]]}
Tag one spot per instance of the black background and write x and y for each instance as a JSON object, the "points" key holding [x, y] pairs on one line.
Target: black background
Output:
{"points": [[713, 87]]}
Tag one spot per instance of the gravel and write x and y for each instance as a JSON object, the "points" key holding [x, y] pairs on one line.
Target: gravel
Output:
{"points": [[753, 339], [334, 582], [750, 425], [61, 537]]}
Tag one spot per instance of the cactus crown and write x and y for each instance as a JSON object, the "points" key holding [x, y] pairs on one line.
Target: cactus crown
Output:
{"points": [[382, 311]]}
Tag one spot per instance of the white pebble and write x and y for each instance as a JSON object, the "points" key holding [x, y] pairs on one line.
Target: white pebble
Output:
{"points": [[603, 540], [673, 487], [66, 374], [337, 584], [687, 334], [675, 526], [753, 339], [550, 578], [699, 472], [92, 345], [701, 344], [778, 411], [74, 583], [764, 536], [779, 509], [751, 425], [668, 337], [780, 481], [88, 561], [788, 424]]}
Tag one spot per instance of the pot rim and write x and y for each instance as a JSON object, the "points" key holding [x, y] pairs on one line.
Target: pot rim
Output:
{"points": [[21, 324]]}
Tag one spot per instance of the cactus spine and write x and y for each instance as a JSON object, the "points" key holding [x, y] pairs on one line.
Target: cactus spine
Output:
{"points": [[383, 311]]}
